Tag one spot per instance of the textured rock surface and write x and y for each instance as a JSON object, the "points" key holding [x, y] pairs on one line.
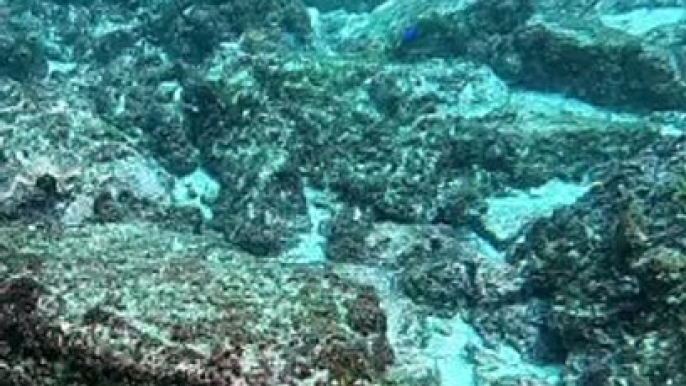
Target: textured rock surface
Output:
{"points": [[612, 269], [141, 306], [561, 52], [599, 64]]}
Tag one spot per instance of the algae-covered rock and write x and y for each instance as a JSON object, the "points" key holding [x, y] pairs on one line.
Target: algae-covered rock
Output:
{"points": [[612, 267], [603, 65], [134, 305], [593, 59]]}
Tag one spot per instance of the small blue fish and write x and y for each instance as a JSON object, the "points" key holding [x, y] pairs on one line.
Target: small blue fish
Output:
{"points": [[410, 34]]}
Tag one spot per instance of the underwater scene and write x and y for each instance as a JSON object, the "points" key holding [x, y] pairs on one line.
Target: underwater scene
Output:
{"points": [[342, 192]]}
